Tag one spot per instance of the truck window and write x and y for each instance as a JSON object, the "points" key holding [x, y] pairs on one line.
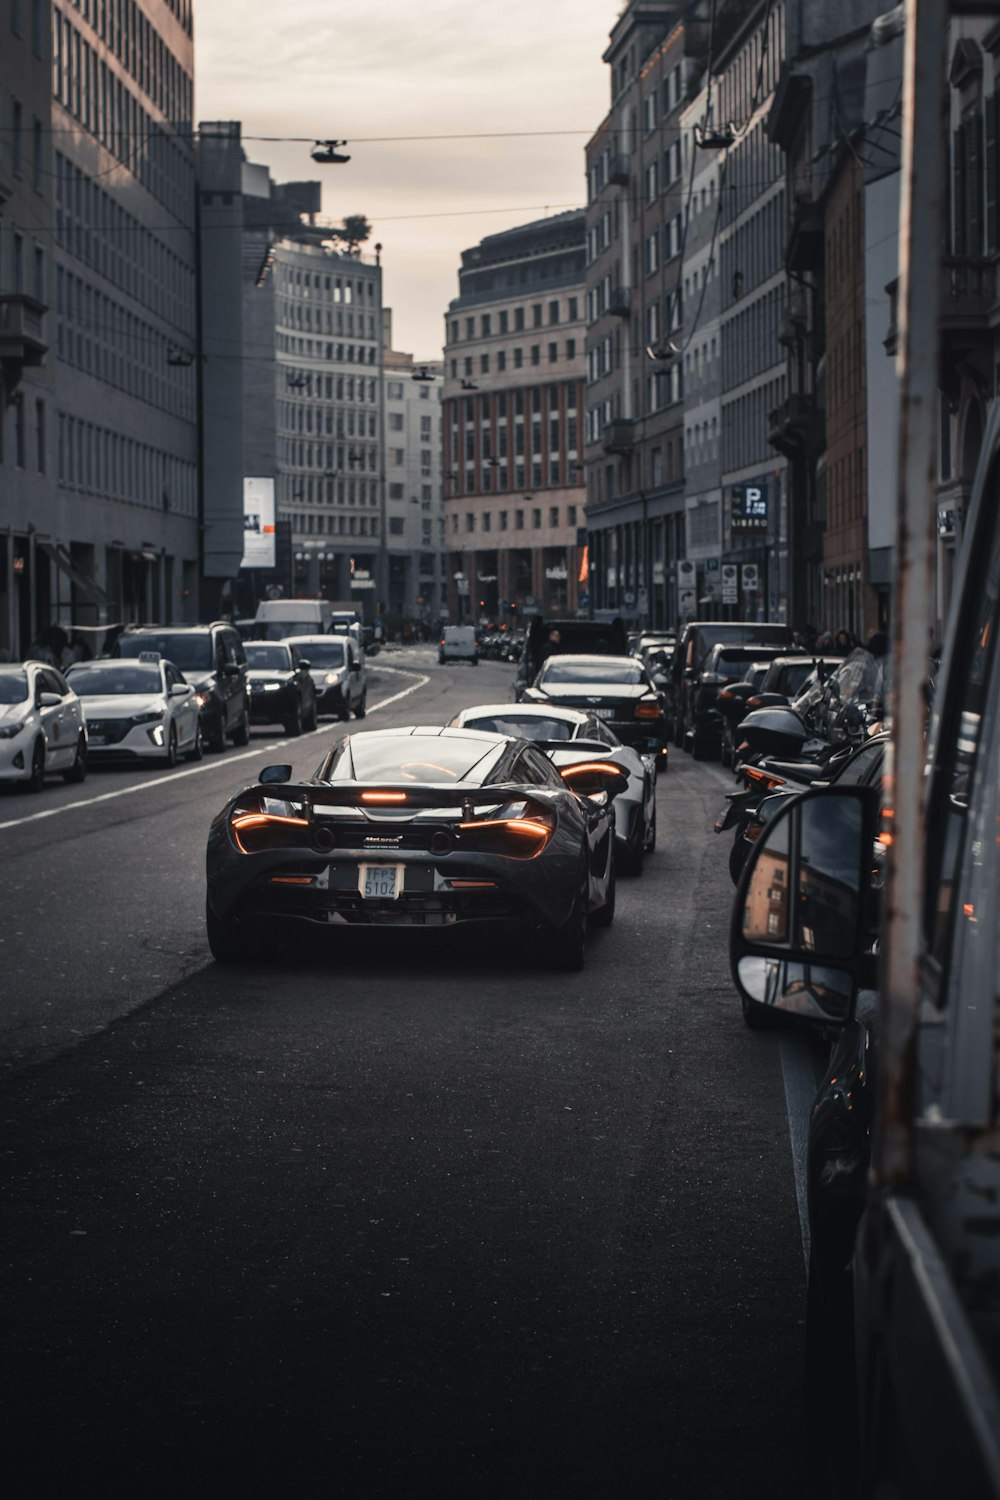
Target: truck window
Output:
{"points": [[974, 639]]}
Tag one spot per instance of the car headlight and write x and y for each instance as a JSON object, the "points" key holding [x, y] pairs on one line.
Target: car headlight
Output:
{"points": [[8, 731], [153, 716], [261, 823], [518, 830], [202, 698], [331, 678]]}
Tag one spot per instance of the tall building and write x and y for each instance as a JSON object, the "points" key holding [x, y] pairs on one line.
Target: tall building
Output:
{"points": [[753, 289], [511, 418], [414, 512], [31, 524], [636, 259], [700, 585], [121, 537], [330, 453]]}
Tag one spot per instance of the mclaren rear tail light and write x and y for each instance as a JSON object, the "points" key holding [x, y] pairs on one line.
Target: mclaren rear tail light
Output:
{"points": [[268, 823], [519, 830]]}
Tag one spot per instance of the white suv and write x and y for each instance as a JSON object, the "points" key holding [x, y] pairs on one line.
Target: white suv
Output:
{"points": [[41, 726]]}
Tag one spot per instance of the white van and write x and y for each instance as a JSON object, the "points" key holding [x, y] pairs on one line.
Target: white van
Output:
{"points": [[278, 618], [458, 643]]}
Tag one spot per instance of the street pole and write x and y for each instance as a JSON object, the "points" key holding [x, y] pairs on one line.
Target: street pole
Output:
{"points": [[920, 223]]}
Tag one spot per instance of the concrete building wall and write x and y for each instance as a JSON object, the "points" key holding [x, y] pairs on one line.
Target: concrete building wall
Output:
{"points": [[753, 297], [28, 483], [330, 465], [125, 508], [512, 424], [702, 361], [636, 240], [415, 535]]}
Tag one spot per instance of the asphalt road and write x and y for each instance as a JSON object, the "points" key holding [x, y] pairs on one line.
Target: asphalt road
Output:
{"points": [[399, 1217]]}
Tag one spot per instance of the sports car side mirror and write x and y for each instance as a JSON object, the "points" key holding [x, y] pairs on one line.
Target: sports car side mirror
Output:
{"points": [[800, 937], [273, 775], [590, 777]]}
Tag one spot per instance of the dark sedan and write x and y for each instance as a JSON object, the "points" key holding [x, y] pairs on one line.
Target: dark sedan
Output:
{"points": [[616, 689], [281, 689], [419, 827]]}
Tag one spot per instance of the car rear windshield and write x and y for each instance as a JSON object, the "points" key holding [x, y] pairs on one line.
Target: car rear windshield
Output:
{"points": [[323, 653], [270, 658], [523, 726], [411, 759], [13, 687], [99, 682], [627, 673], [190, 653]]}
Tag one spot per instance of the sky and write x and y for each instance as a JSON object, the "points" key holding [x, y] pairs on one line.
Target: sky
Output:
{"points": [[407, 68]]}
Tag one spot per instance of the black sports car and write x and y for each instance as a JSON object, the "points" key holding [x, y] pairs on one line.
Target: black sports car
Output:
{"points": [[419, 827]]}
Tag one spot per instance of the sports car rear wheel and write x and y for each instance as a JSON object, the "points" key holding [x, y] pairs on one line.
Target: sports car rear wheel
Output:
{"points": [[567, 945], [230, 943]]}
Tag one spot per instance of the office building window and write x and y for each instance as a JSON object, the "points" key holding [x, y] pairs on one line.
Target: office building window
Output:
{"points": [[536, 519]]}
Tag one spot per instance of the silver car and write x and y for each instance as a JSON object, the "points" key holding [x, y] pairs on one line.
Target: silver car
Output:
{"points": [[635, 808]]}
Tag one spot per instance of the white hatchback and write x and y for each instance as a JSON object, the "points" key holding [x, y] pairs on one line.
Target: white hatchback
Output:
{"points": [[42, 727], [138, 708]]}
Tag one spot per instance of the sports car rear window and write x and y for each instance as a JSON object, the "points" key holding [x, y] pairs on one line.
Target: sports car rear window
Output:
{"points": [[410, 759], [523, 726]]}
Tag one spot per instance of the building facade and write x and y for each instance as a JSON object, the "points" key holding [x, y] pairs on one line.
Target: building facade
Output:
{"points": [[699, 585], [415, 519], [512, 424], [634, 431], [753, 291], [330, 446], [122, 525], [27, 328]]}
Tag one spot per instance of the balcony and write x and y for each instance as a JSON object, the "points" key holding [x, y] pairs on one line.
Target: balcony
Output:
{"points": [[619, 302], [22, 335], [619, 437], [967, 293], [619, 170], [796, 428]]}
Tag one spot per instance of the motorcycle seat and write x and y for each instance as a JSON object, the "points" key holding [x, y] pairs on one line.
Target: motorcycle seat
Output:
{"points": [[795, 770]]}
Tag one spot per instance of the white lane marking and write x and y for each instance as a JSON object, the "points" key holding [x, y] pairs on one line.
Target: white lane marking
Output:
{"points": [[213, 765], [800, 1093]]}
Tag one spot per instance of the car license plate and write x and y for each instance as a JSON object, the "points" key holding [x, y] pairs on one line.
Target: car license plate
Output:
{"points": [[97, 739], [380, 882], [605, 713]]}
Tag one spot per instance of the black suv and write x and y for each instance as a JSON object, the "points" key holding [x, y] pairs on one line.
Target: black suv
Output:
{"points": [[212, 660], [723, 665]]}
